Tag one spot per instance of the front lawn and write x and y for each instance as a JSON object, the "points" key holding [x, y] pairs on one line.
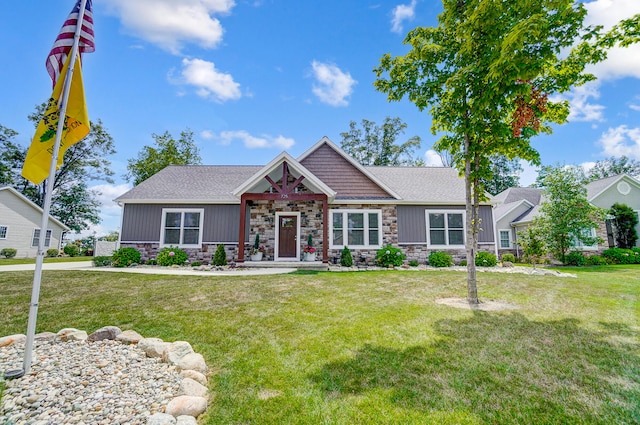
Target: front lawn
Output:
{"points": [[12, 261], [374, 347]]}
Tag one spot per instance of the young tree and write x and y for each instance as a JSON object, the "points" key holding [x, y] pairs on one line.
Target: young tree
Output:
{"points": [[614, 166], [377, 146], [486, 73], [167, 151], [625, 220], [565, 214], [532, 243]]}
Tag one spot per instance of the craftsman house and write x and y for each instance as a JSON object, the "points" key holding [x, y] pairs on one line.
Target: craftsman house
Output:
{"points": [[20, 221], [517, 207], [324, 193]]}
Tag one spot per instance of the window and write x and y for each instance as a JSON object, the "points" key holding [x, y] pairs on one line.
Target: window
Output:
{"points": [[505, 239], [36, 238], [182, 227], [356, 228], [579, 245], [445, 228], [3, 232]]}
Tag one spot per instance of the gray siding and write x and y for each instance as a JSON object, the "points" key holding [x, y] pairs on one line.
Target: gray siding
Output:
{"points": [[412, 224], [141, 222]]}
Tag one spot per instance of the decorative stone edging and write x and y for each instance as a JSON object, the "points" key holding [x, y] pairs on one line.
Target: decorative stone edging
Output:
{"points": [[192, 397]]}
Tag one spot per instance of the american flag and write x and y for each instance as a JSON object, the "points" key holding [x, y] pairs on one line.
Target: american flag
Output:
{"points": [[62, 47]]}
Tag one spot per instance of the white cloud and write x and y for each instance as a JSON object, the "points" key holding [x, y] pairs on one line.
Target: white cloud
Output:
{"points": [[586, 166], [620, 141], [621, 62], [432, 159], [581, 108], [209, 82], [170, 24], [401, 13], [207, 134], [109, 211], [634, 107], [332, 85], [253, 142]]}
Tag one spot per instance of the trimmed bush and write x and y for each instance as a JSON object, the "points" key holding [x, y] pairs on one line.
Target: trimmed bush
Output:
{"points": [[152, 262], [346, 259], [622, 255], [414, 263], [71, 250], [170, 256], [508, 257], [390, 256], [102, 261], [440, 259], [575, 258], [486, 259], [596, 260], [8, 252], [195, 264], [220, 256], [125, 257], [52, 252]]}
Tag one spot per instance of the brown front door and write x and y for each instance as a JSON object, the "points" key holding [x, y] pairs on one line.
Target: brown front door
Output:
{"points": [[287, 236]]}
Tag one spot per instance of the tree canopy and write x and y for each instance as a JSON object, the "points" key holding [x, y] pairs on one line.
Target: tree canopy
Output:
{"points": [[167, 151], [613, 166], [377, 145], [486, 74]]}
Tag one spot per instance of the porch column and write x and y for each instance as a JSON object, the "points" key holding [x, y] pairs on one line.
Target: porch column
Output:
{"points": [[325, 229], [243, 217]]}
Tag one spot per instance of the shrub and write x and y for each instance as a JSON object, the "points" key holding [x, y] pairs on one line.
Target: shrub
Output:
{"points": [[622, 255], [195, 264], [71, 250], [52, 252], [390, 256], [413, 263], [170, 256], [440, 259], [508, 257], [463, 263], [102, 261], [346, 259], [596, 260], [125, 257], [486, 259], [8, 252], [152, 262], [220, 256], [575, 258]]}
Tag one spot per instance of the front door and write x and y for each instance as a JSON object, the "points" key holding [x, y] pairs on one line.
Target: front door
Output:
{"points": [[288, 237]]}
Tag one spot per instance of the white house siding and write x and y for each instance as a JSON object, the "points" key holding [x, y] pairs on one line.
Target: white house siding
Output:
{"points": [[21, 219], [611, 195]]}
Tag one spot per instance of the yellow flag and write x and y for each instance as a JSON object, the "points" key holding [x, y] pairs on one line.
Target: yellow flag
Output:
{"points": [[76, 127]]}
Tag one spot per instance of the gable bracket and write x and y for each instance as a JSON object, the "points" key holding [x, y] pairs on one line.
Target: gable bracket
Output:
{"points": [[284, 189]]}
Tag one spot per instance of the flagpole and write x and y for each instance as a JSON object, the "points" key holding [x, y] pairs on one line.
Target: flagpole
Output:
{"points": [[37, 277]]}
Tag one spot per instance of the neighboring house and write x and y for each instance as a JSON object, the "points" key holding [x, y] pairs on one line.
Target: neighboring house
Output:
{"points": [[20, 221], [324, 192], [516, 207]]}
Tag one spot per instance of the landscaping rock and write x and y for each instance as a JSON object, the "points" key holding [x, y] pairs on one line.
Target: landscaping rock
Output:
{"points": [[196, 376], [153, 347], [77, 336], [187, 405], [45, 336], [192, 361], [129, 337], [63, 334], [5, 341], [190, 387], [161, 419], [186, 420], [107, 332], [175, 351]]}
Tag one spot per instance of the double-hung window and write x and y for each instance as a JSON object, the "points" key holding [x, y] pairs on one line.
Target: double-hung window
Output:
{"points": [[3, 232], [356, 228], [580, 245], [36, 238], [445, 228], [505, 239], [182, 227]]}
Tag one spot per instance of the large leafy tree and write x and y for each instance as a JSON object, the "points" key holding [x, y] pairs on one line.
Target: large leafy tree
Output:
{"points": [[625, 220], [167, 151], [505, 173], [72, 202], [614, 166], [486, 74], [566, 216], [377, 145]]}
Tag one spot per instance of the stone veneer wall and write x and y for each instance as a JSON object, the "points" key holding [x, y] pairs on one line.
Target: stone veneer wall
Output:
{"points": [[204, 255]]}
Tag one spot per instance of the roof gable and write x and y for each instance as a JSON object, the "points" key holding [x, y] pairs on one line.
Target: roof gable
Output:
{"points": [[31, 204], [599, 187]]}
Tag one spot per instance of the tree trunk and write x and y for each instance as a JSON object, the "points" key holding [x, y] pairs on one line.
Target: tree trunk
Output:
{"points": [[470, 242]]}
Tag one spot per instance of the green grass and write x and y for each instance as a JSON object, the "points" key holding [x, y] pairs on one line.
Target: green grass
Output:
{"points": [[12, 261], [374, 347]]}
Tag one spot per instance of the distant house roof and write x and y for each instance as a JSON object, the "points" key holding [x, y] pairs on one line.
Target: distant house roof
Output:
{"points": [[33, 205], [597, 187], [514, 194]]}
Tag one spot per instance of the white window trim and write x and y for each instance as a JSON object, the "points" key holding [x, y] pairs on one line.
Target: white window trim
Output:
{"points": [[500, 239], [182, 210], [593, 247], [464, 228], [6, 232], [48, 233], [345, 213]]}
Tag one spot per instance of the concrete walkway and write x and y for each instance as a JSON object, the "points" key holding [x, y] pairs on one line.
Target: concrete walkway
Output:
{"points": [[88, 266]]}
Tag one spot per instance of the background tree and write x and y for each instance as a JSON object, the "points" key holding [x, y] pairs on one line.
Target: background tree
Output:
{"points": [[565, 214], [376, 145], [533, 245], [72, 202], [613, 166], [486, 73], [625, 220], [167, 151], [505, 173]]}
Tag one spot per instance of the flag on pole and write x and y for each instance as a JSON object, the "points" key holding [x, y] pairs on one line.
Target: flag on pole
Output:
{"points": [[64, 42]]}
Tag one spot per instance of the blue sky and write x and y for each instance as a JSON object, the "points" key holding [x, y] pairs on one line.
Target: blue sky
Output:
{"points": [[254, 78]]}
